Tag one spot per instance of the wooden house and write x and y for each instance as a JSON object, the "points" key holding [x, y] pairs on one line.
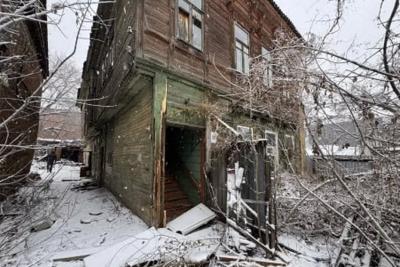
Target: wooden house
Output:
{"points": [[152, 68]]}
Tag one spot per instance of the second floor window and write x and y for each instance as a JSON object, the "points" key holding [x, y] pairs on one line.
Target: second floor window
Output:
{"points": [[267, 67], [190, 22], [242, 42]]}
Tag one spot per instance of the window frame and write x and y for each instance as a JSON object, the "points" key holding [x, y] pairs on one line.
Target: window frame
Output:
{"points": [[267, 76], [293, 144], [266, 132], [240, 128], [242, 46], [276, 147], [190, 23]]}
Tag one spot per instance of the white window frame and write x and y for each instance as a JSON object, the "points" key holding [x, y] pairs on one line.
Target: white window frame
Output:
{"points": [[267, 75], [240, 45]]}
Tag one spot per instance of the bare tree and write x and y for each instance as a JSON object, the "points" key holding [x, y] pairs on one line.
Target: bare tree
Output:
{"points": [[335, 88], [27, 89], [362, 90], [25, 78]]}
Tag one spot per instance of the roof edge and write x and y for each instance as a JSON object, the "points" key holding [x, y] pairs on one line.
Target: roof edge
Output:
{"points": [[286, 18]]}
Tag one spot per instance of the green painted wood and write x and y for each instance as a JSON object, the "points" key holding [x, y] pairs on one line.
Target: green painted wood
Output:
{"points": [[184, 104], [130, 171]]}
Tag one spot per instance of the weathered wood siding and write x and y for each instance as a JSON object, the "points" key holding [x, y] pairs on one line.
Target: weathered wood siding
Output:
{"points": [[138, 49], [131, 177], [260, 125], [111, 56], [159, 44], [184, 104]]}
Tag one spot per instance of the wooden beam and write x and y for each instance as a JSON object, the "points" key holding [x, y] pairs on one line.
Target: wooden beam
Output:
{"points": [[160, 91]]}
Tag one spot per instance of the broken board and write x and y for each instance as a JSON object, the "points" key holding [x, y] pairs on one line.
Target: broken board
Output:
{"points": [[191, 220]]}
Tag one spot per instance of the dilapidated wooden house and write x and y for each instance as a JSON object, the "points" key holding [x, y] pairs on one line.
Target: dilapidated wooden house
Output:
{"points": [[154, 68]]}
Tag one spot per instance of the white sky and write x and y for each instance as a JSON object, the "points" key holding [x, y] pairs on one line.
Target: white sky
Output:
{"points": [[359, 26], [63, 35]]}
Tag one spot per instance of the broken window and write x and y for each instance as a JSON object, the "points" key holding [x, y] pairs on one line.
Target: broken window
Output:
{"points": [[245, 132], [267, 67], [190, 22], [242, 41]]}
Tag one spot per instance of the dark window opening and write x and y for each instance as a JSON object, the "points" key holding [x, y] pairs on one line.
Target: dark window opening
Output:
{"points": [[190, 22]]}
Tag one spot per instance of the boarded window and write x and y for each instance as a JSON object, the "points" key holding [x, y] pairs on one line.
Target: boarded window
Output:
{"points": [[190, 22], [183, 22], [267, 67], [242, 41]]}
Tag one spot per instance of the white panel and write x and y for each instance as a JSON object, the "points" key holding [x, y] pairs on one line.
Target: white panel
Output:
{"points": [[191, 220]]}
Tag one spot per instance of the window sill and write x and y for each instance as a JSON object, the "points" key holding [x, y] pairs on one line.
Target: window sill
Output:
{"points": [[239, 73], [187, 46]]}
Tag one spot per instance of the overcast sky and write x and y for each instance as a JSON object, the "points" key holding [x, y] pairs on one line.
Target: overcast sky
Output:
{"points": [[63, 35], [359, 25], [358, 28]]}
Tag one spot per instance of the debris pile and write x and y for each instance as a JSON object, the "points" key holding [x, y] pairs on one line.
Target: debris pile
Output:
{"points": [[191, 239], [357, 241]]}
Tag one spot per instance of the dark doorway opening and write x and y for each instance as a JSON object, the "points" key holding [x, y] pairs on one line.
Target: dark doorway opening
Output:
{"points": [[72, 153], [184, 161]]}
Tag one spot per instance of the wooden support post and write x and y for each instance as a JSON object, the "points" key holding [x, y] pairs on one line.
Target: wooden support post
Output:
{"points": [[160, 86]]}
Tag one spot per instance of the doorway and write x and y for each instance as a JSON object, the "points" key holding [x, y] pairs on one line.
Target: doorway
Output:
{"points": [[184, 162]]}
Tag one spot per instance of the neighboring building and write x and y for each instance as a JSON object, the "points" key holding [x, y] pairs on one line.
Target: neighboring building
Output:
{"points": [[62, 130], [347, 160], [153, 67], [352, 152], [342, 134], [23, 66], [341, 145]]}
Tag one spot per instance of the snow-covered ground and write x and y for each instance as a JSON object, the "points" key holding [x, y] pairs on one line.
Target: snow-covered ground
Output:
{"points": [[314, 253], [83, 219], [92, 221]]}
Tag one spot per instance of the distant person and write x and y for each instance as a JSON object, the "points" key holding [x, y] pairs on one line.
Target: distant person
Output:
{"points": [[51, 158]]}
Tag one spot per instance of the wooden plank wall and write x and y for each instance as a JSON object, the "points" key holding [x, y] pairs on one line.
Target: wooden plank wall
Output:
{"points": [[131, 178], [184, 104], [111, 53], [259, 18]]}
